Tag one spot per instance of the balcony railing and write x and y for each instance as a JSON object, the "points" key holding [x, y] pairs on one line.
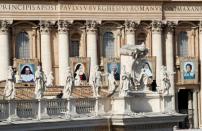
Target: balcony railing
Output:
{"points": [[14, 110]]}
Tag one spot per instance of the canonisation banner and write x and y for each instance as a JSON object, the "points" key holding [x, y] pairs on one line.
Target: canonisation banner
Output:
{"points": [[189, 70]]}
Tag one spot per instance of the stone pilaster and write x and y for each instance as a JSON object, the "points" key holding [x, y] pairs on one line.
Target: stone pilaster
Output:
{"points": [[4, 49], [45, 47], [157, 47], [200, 57], [170, 58], [63, 42], [130, 27], [91, 27]]}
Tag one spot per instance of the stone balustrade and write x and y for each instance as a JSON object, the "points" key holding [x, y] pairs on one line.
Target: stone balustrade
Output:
{"points": [[14, 110]]}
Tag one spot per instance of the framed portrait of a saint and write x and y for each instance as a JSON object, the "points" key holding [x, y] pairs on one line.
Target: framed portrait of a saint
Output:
{"points": [[26, 70], [189, 70], [80, 67], [112, 65]]}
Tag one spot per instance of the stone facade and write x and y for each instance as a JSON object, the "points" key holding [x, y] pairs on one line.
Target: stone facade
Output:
{"points": [[51, 26]]}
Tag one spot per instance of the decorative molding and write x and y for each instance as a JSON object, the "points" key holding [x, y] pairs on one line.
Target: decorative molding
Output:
{"points": [[170, 25], [200, 27], [156, 26], [4, 25], [130, 26], [91, 25], [45, 26], [63, 26]]}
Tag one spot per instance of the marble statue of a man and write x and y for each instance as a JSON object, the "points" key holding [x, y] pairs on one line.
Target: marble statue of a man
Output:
{"points": [[165, 80], [50, 78], [40, 80], [9, 91], [125, 85], [97, 81], [67, 91], [112, 82]]}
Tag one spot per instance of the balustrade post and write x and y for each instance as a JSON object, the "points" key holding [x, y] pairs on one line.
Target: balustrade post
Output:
{"points": [[12, 110], [72, 106], [44, 106], [68, 106], [39, 109], [96, 106]]}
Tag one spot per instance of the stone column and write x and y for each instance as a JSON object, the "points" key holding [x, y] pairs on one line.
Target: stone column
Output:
{"points": [[157, 47], [4, 49], [92, 46], [170, 59], [130, 27], [200, 49], [45, 47], [63, 42], [195, 108], [190, 109]]}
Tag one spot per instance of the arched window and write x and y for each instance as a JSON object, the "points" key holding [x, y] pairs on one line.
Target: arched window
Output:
{"points": [[141, 37], [183, 44], [74, 45], [108, 39], [22, 46]]}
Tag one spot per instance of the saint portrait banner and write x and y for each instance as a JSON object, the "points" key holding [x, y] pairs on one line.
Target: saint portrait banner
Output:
{"points": [[189, 70], [25, 70], [80, 67], [113, 64]]}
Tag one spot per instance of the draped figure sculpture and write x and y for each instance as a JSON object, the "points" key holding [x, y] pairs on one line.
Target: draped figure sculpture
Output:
{"points": [[50, 78], [40, 80], [9, 91], [97, 81], [67, 91], [112, 82], [126, 83], [165, 80]]}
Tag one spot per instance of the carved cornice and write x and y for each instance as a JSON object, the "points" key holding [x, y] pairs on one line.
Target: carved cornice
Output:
{"points": [[4, 25], [156, 26], [91, 25], [63, 26], [130, 26], [45, 26]]}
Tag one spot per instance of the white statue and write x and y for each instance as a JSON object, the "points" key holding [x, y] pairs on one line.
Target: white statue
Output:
{"points": [[126, 83], [165, 80], [40, 80], [9, 91], [67, 91], [50, 78], [145, 76], [17, 77], [97, 81], [112, 82]]}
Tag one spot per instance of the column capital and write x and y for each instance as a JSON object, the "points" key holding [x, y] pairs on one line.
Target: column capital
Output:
{"points": [[130, 26], [91, 25], [156, 26], [170, 25], [63, 26], [200, 27], [4, 25], [45, 26]]}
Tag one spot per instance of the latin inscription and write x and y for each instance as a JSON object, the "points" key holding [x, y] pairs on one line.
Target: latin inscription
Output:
{"points": [[98, 8], [71, 7]]}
